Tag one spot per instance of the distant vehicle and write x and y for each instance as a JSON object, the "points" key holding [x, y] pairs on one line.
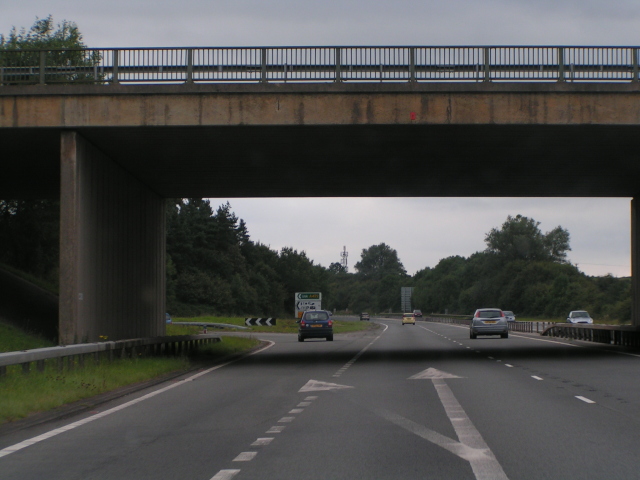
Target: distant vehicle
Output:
{"points": [[510, 316], [364, 316], [315, 324], [489, 321], [417, 313], [168, 318], [408, 318], [579, 316]]}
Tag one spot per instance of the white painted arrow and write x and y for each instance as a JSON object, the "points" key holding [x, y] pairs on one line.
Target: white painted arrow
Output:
{"points": [[431, 373], [315, 385]]}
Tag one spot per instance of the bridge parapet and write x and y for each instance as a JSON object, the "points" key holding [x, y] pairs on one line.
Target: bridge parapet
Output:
{"points": [[321, 64]]}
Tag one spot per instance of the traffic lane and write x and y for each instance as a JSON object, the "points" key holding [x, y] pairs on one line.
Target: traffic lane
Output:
{"points": [[208, 419], [539, 429], [347, 432], [588, 370]]}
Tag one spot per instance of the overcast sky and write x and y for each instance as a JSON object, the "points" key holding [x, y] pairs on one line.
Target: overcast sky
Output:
{"points": [[422, 230]]}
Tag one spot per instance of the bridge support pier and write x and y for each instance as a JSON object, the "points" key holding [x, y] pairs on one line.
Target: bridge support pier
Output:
{"points": [[112, 249], [635, 263]]}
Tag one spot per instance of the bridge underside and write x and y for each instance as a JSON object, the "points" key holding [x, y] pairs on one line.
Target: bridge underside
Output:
{"points": [[350, 161], [113, 154]]}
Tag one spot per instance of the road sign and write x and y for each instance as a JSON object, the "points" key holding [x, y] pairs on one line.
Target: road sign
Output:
{"points": [[307, 301], [260, 322]]}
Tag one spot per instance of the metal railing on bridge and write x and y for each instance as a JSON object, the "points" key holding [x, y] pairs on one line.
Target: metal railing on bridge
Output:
{"points": [[320, 64]]}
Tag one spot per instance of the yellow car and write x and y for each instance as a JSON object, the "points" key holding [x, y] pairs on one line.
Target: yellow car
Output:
{"points": [[408, 318]]}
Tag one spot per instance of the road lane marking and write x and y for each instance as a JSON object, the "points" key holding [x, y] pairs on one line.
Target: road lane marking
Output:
{"points": [[478, 457], [286, 419], [507, 365], [245, 457], [262, 441], [315, 385], [45, 436], [303, 404], [584, 399], [276, 429], [536, 377], [225, 474], [353, 360], [296, 410], [486, 466], [311, 398]]}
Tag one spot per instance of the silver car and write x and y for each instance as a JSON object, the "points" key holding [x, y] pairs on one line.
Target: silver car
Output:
{"points": [[510, 315], [489, 321], [579, 316]]}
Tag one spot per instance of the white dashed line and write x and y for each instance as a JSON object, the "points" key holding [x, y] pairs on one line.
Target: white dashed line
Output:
{"points": [[507, 365], [276, 429], [286, 419], [311, 398], [245, 457], [303, 404], [584, 399], [536, 377], [262, 441], [491, 358], [225, 474], [353, 360], [296, 410]]}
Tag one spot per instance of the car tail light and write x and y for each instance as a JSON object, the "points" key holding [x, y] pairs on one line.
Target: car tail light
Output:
{"points": [[302, 323], [477, 314], [331, 323], [502, 314]]}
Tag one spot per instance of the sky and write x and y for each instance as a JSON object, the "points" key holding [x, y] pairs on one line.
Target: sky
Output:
{"points": [[421, 230]]}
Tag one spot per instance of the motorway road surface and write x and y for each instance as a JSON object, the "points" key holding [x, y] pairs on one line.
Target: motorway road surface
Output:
{"points": [[412, 402]]}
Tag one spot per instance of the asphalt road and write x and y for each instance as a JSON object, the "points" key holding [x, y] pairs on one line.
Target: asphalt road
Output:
{"points": [[412, 402]]}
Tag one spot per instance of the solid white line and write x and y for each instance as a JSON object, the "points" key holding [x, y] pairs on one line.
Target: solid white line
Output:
{"points": [[486, 466], [225, 474], [536, 377], [584, 399], [245, 457], [71, 426]]}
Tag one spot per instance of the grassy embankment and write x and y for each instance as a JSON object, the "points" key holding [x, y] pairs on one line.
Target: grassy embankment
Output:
{"points": [[22, 395]]}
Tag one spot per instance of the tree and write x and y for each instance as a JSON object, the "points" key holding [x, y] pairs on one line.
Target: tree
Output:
{"points": [[379, 261], [64, 48], [521, 239]]}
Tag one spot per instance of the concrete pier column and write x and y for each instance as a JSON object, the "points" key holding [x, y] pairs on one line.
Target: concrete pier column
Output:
{"points": [[112, 249], [635, 263]]}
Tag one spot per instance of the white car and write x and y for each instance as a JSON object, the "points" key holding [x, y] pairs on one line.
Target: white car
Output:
{"points": [[579, 316], [509, 315]]}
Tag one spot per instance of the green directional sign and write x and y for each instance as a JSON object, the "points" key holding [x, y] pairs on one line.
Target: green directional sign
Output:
{"points": [[309, 296]]}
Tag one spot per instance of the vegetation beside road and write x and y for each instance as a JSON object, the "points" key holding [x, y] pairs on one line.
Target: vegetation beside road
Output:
{"points": [[23, 395]]}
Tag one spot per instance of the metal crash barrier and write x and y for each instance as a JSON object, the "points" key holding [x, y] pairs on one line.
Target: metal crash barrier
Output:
{"points": [[67, 355], [625, 336]]}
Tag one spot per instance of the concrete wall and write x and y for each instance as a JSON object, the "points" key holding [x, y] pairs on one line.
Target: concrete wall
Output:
{"points": [[112, 249]]}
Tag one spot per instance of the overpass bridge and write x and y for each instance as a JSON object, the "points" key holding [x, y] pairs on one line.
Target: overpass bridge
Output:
{"points": [[114, 132]]}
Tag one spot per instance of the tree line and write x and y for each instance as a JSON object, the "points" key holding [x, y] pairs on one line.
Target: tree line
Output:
{"points": [[214, 267]]}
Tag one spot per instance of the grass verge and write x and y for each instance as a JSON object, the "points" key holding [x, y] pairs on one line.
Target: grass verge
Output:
{"points": [[22, 395], [13, 339]]}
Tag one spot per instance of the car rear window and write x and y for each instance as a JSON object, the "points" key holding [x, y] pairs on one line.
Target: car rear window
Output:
{"points": [[316, 316], [580, 314], [490, 314]]}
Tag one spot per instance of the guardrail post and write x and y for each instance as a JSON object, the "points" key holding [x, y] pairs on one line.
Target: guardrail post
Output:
{"points": [[412, 64], [42, 66], [189, 65], [487, 64], [263, 65], [338, 65], [634, 51], [114, 72], [561, 64]]}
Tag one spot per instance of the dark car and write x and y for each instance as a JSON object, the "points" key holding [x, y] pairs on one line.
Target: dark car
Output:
{"points": [[417, 313], [364, 316], [315, 324]]}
